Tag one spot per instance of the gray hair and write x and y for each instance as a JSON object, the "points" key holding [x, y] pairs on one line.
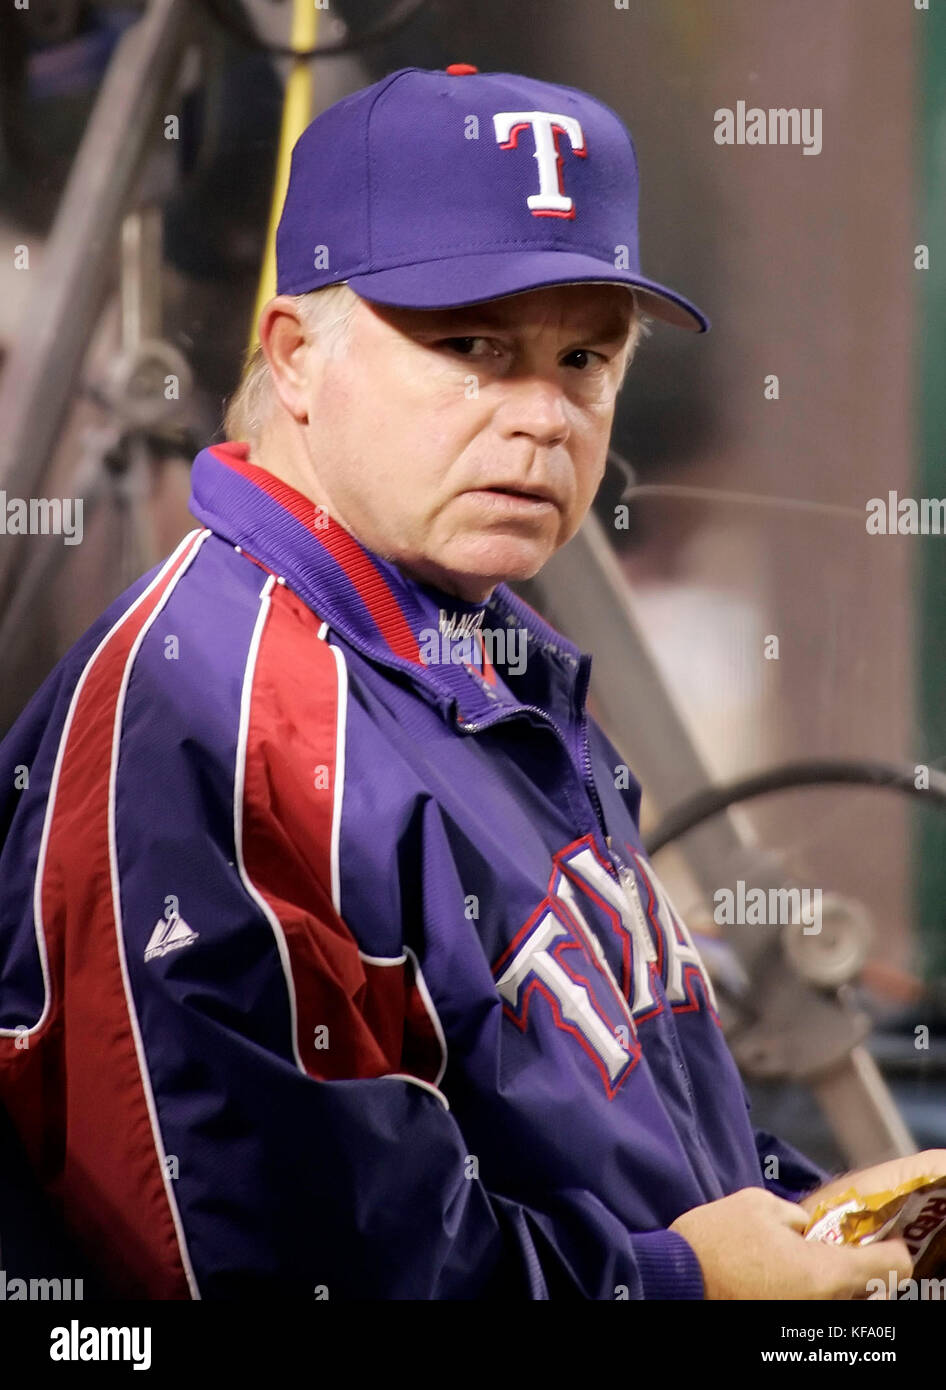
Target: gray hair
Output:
{"points": [[326, 315]]}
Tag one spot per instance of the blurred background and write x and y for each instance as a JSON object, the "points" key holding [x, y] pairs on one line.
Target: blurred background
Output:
{"points": [[139, 163]]}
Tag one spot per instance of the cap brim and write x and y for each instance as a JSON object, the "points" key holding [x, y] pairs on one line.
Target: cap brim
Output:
{"points": [[462, 280]]}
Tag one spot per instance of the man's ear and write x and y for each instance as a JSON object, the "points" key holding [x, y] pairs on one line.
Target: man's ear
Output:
{"points": [[286, 345]]}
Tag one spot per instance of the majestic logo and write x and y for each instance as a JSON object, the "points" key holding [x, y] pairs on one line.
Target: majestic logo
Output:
{"points": [[558, 955], [169, 934], [551, 199]]}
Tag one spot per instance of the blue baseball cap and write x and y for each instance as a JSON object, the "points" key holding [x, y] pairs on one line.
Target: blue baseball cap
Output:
{"points": [[433, 189]]}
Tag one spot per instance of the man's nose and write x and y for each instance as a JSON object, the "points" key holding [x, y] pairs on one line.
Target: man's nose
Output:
{"points": [[536, 409]]}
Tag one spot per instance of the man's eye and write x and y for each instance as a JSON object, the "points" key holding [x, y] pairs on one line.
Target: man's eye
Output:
{"points": [[465, 346], [471, 346], [587, 358]]}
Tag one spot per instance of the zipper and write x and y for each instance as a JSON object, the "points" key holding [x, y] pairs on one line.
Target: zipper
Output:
{"points": [[643, 934], [587, 777], [581, 692], [640, 927]]}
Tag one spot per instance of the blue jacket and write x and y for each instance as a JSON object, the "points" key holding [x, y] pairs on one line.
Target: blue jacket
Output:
{"points": [[330, 961]]}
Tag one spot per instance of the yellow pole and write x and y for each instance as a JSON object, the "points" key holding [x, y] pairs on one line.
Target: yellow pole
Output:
{"points": [[296, 114]]}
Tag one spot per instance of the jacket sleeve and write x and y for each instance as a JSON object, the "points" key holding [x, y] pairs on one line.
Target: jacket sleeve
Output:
{"points": [[355, 1188], [793, 1175]]}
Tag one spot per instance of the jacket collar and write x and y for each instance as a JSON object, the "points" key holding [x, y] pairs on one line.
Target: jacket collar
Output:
{"points": [[351, 588]]}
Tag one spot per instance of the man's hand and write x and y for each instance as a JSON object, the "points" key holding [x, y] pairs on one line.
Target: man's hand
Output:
{"points": [[882, 1176], [750, 1245]]}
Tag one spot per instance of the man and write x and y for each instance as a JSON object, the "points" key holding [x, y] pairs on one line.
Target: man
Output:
{"points": [[332, 964]]}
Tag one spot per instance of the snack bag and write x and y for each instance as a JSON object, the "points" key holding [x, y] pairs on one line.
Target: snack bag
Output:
{"points": [[913, 1211]]}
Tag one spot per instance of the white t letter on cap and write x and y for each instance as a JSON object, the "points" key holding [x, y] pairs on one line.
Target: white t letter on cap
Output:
{"points": [[550, 201]]}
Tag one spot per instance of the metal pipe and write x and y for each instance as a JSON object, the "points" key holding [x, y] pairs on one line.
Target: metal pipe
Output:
{"points": [[78, 258]]}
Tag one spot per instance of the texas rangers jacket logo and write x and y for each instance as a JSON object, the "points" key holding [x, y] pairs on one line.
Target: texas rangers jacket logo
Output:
{"points": [[551, 199], [558, 955]]}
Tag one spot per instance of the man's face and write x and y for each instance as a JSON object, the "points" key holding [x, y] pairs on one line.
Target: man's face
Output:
{"points": [[466, 445]]}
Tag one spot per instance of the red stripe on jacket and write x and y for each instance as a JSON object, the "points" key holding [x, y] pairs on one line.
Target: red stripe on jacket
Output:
{"points": [[367, 580], [374, 1015], [76, 1094]]}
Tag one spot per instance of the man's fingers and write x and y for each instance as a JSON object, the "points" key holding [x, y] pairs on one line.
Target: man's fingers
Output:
{"points": [[887, 1260], [893, 1255], [791, 1214]]}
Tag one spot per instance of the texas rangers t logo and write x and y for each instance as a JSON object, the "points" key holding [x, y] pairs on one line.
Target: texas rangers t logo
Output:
{"points": [[537, 964], [551, 199]]}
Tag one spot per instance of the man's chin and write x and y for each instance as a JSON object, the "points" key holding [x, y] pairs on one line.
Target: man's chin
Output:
{"points": [[497, 563]]}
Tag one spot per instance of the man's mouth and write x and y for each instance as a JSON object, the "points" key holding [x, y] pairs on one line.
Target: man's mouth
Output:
{"points": [[541, 497]]}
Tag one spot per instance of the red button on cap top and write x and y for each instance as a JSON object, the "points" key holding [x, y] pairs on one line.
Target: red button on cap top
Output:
{"points": [[461, 69]]}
